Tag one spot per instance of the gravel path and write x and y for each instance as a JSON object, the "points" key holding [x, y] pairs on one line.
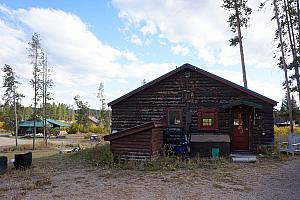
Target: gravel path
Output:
{"points": [[267, 179]]}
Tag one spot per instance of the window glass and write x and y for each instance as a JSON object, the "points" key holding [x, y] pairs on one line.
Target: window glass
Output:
{"points": [[174, 117], [240, 119], [208, 119]]}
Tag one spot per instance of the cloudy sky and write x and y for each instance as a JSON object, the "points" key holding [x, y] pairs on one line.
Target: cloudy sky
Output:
{"points": [[122, 42]]}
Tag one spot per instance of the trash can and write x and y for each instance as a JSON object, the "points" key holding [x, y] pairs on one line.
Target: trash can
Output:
{"points": [[3, 164], [215, 152], [23, 161]]}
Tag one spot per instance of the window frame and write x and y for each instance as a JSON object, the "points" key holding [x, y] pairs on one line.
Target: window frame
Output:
{"points": [[200, 121], [180, 117]]}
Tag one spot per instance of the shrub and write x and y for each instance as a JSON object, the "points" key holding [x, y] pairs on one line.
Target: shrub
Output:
{"points": [[54, 131], [73, 129], [99, 155], [281, 133], [97, 129]]}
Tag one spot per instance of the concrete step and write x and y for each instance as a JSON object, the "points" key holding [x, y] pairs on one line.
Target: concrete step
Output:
{"points": [[243, 158]]}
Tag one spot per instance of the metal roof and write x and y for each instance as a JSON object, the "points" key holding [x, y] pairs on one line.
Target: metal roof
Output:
{"points": [[40, 124]]}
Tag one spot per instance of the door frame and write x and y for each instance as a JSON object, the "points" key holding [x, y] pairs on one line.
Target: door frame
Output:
{"points": [[248, 111]]}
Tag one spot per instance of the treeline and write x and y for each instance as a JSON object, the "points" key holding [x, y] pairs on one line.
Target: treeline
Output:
{"points": [[60, 111]]}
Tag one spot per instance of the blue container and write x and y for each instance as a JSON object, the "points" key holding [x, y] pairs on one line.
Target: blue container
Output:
{"points": [[215, 152]]}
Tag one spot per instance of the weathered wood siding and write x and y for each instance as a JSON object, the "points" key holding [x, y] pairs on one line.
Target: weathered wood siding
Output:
{"points": [[144, 144], [151, 104]]}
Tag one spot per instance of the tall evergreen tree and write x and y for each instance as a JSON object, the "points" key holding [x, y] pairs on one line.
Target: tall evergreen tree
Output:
{"points": [[35, 53], [283, 63], [239, 17], [82, 114], [11, 96], [47, 84]]}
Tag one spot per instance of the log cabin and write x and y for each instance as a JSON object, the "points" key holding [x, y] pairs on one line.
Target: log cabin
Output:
{"points": [[211, 111]]}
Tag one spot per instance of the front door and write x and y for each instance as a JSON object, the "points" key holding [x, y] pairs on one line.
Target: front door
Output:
{"points": [[241, 127]]}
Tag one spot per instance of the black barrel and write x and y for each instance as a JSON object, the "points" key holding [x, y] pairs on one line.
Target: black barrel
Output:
{"points": [[3, 164], [23, 161]]}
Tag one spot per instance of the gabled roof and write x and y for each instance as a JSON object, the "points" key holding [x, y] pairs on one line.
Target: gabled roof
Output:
{"points": [[198, 70]]}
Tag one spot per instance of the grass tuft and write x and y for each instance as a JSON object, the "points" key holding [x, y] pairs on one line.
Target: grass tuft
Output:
{"points": [[101, 156]]}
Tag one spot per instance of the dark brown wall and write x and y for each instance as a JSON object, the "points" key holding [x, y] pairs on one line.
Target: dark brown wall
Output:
{"points": [[145, 143], [152, 103]]}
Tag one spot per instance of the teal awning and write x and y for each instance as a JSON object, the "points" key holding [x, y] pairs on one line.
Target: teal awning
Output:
{"points": [[38, 124], [240, 102]]}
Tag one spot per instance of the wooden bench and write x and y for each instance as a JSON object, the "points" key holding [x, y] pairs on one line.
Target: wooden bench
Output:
{"points": [[292, 146]]}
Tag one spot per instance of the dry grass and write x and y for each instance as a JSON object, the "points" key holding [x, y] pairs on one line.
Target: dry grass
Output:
{"points": [[19, 182], [40, 145]]}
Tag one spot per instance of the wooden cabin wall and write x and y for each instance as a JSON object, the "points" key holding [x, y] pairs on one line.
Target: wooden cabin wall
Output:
{"points": [[151, 104], [139, 143]]}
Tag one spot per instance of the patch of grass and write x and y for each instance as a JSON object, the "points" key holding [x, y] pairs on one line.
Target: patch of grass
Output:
{"points": [[25, 147], [100, 155], [35, 154]]}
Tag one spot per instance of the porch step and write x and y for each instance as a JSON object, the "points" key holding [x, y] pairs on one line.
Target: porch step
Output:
{"points": [[243, 158]]}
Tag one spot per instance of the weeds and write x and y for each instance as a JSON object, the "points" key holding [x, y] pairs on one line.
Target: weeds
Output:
{"points": [[101, 156], [25, 147]]}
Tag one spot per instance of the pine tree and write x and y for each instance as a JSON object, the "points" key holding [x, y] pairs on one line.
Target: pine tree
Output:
{"points": [[82, 114], [35, 53], [11, 96], [239, 17], [279, 34]]}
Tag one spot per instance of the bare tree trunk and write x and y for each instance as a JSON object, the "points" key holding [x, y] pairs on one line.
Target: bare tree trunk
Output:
{"points": [[284, 68], [241, 44], [292, 42], [16, 117], [45, 99], [298, 12], [35, 97]]}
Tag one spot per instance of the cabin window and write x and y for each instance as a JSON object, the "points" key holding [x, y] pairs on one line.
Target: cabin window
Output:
{"points": [[174, 117], [208, 119]]}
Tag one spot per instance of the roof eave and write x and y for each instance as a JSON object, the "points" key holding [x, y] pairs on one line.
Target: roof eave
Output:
{"points": [[201, 71]]}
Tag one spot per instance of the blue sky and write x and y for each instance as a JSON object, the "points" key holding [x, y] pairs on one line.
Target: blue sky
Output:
{"points": [[121, 42]]}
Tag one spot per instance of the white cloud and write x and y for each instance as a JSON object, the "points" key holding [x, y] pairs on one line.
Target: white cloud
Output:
{"points": [[180, 50], [129, 56], [149, 28], [202, 24], [136, 40], [78, 58]]}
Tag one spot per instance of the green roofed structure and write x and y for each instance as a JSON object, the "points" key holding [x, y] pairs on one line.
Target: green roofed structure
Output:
{"points": [[25, 127]]}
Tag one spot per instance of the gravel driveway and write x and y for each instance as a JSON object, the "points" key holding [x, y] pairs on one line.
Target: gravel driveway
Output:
{"points": [[267, 179]]}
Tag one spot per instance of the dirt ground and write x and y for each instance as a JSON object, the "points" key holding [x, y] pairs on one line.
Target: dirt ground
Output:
{"points": [[58, 177]]}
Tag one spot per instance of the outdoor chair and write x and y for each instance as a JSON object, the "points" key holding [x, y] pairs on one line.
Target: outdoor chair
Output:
{"points": [[292, 146]]}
